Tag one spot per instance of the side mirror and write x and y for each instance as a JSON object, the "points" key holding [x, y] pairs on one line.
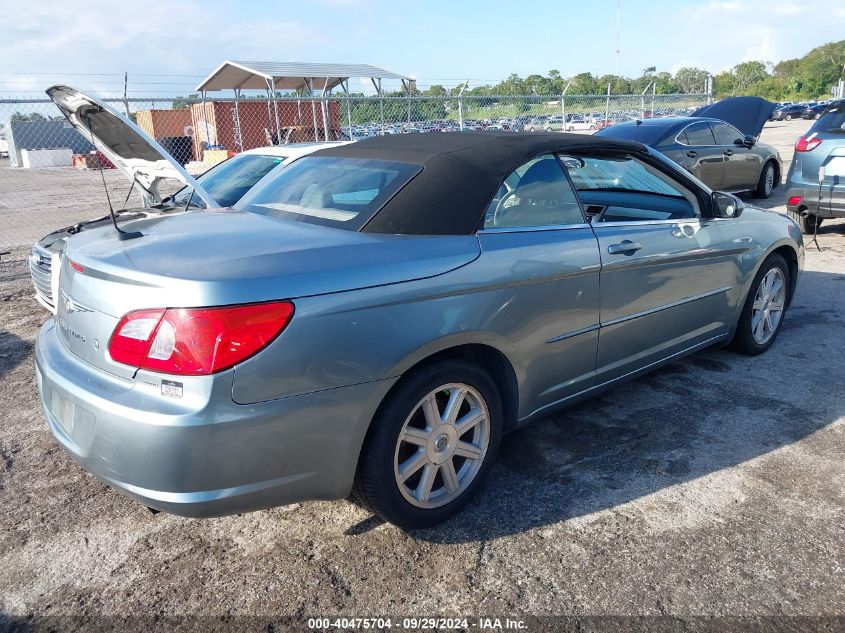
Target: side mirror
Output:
{"points": [[726, 205], [748, 142]]}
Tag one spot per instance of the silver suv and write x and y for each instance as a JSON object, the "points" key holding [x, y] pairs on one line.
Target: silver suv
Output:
{"points": [[808, 195]]}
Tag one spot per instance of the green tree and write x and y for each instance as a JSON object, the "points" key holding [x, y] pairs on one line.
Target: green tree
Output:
{"points": [[665, 85], [19, 117], [691, 79], [748, 73], [723, 84], [180, 103], [436, 90], [583, 84]]}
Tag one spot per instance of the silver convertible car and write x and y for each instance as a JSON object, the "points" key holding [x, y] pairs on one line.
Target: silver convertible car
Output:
{"points": [[375, 317]]}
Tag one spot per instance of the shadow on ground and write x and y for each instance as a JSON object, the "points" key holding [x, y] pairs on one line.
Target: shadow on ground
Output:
{"points": [[13, 351], [694, 417]]}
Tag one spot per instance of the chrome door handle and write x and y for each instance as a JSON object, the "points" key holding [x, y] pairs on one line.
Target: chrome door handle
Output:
{"points": [[729, 152], [627, 247]]}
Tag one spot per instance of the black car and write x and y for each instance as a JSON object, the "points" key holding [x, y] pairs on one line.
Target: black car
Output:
{"points": [[813, 111], [718, 145], [787, 113]]}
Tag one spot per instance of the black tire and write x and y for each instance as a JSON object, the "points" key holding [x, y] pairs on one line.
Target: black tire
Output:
{"points": [[743, 340], [810, 223], [375, 484], [761, 190]]}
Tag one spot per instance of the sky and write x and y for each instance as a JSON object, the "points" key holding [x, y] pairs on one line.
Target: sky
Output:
{"points": [[167, 46]]}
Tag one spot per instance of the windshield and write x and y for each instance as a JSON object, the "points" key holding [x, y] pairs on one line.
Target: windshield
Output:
{"points": [[340, 192], [228, 181], [832, 121], [611, 174]]}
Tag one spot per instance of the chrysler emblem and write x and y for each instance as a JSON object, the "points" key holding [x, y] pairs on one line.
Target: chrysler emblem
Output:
{"points": [[71, 305]]}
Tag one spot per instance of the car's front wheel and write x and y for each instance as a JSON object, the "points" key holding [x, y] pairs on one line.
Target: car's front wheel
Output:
{"points": [[762, 314], [431, 444]]}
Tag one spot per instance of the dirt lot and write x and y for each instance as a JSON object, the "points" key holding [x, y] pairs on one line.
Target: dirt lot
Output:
{"points": [[713, 487]]}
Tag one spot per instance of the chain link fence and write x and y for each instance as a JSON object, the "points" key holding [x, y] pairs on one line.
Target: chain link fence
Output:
{"points": [[52, 177]]}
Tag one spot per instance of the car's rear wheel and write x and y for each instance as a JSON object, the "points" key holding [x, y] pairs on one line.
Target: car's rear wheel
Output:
{"points": [[766, 183], [431, 445], [788, 117], [810, 223], [762, 314]]}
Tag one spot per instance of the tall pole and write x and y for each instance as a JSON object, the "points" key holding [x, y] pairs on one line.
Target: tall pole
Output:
{"points": [[461, 106], [563, 103], [653, 92], [125, 100], [642, 100], [607, 103], [618, 27]]}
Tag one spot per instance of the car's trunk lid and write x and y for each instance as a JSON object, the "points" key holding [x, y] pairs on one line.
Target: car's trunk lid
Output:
{"points": [[228, 257]]}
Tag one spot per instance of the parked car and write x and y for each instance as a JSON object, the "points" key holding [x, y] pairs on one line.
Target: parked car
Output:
{"points": [[579, 123], [813, 111], [545, 123], [375, 316], [822, 145], [221, 186], [787, 113], [721, 150]]}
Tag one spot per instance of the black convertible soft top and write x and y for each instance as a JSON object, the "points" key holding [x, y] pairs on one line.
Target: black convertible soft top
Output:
{"points": [[461, 172]]}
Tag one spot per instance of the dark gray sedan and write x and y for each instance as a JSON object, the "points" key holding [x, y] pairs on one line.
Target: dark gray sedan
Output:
{"points": [[724, 154], [376, 316]]}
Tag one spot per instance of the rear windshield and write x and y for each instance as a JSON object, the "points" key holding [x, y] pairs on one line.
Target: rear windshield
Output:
{"points": [[230, 180], [340, 192], [645, 134], [832, 121]]}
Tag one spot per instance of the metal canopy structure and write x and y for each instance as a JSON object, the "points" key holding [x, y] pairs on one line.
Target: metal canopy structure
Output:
{"points": [[298, 76], [239, 75]]}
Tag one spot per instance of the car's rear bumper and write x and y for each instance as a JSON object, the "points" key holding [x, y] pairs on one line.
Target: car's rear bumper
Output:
{"points": [[832, 203], [209, 456]]}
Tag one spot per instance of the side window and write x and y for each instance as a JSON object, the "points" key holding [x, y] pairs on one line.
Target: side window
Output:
{"points": [[536, 193], [699, 134], [726, 134], [627, 190]]}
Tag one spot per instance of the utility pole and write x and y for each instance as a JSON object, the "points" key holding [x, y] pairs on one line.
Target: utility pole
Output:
{"points": [[125, 89]]}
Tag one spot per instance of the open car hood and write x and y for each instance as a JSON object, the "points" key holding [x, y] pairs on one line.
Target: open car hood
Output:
{"points": [[747, 114], [136, 155]]}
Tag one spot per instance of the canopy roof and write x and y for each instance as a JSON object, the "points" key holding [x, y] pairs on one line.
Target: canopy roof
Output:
{"points": [[240, 75]]}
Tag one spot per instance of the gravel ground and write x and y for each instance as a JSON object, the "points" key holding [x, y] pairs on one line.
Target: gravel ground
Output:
{"points": [[713, 487]]}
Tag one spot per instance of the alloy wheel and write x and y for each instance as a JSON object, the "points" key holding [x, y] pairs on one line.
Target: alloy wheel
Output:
{"points": [[442, 445], [769, 301]]}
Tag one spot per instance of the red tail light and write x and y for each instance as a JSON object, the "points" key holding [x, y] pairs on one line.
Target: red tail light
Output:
{"points": [[794, 201], [197, 341], [807, 144], [77, 267]]}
